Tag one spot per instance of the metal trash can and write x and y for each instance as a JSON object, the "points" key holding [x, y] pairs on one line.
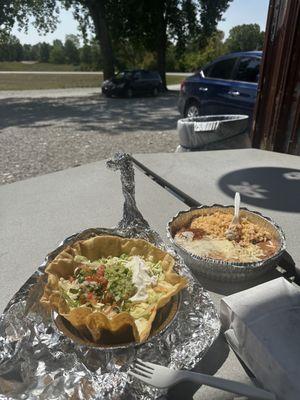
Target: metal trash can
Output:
{"points": [[212, 132]]}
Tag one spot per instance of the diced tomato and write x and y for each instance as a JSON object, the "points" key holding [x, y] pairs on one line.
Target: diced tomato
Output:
{"points": [[103, 281], [90, 296], [91, 278], [100, 270]]}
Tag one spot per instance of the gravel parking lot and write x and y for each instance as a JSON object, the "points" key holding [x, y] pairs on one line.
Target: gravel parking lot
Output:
{"points": [[39, 135]]}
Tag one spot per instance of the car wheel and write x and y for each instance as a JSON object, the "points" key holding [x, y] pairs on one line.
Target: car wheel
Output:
{"points": [[192, 110], [129, 93], [155, 92]]}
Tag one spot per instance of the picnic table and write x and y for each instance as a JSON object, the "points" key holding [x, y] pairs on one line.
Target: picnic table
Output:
{"points": [[37, 214]]}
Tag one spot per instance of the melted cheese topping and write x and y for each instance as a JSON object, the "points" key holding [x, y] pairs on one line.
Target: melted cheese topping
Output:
{"points": [[222, 249]]}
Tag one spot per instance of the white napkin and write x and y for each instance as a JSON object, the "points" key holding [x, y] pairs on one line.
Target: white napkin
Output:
{"points": [[263, 326]]}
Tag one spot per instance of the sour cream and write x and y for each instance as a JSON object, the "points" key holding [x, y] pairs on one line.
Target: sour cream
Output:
{"points": [[140, 278]]}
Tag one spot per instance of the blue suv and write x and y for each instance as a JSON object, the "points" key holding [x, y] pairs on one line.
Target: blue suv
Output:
{"points": [[228, 85]]}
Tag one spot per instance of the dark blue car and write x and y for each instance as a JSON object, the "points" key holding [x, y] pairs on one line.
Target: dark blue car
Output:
{"points": [[228, 85]]}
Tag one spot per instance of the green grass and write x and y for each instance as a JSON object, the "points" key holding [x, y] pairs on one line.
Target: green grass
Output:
{"points": [[19, 66], [174, 79], [11, 81], [43, 81]]}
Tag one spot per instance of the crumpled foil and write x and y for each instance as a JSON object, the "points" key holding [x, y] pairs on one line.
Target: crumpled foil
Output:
{"points": [[38, 362]]}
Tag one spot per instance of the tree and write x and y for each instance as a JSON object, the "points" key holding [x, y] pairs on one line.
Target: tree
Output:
{"points": [[27, 52], [195, 60], [151, 24], [10, 49], [44, 14], [57, 54], [159, 22], [96, 11], [75, 39], [44, 55], [97, 58], [35, 52], [245, 37], [86, 57], [71, 49]]}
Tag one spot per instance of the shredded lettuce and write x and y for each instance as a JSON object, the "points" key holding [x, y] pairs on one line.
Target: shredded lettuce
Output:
{"points": [[157, 270], [71, 302], [140, 310], [153, 296], [118, 288], [83, 260]]}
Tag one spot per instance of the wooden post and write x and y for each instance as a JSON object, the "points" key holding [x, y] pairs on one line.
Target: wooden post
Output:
{"points": [[276, 123]]}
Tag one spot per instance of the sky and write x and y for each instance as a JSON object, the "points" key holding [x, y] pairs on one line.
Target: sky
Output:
{"points": [[239, 12]]}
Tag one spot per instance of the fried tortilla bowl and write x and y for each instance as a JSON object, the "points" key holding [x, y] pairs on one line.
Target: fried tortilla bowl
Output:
{"points": [[85, 319]]}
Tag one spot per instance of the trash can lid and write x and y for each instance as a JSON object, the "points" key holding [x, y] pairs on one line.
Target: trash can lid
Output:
{"points": [[211, 122]]}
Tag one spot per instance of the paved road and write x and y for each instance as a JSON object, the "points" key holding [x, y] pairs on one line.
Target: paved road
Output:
{"points": [[39, 135], [49, 93], [54, 72], [57, 93], [78, 72]]}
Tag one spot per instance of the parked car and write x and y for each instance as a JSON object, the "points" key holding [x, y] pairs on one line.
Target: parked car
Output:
{"points": [[228, 85], [130, 82]]}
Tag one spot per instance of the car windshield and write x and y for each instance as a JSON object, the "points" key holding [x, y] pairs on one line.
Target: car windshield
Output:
{"points": [[123, 75]]}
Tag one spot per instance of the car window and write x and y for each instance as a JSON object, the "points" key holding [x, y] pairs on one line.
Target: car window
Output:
{"points": [[222, 69], [137, 75], [123, 74], [158, 77], [248, 70], [154, 75], [206, 70], [146, 75]]}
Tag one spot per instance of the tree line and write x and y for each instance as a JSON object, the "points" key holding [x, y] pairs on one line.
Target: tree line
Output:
{"points": [[121, 25], [86, 57], [89, 57]]}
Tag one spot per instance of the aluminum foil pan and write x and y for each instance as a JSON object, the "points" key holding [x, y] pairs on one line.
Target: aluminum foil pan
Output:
{"points": [[40, 360], [223, 270], [198, 132]]}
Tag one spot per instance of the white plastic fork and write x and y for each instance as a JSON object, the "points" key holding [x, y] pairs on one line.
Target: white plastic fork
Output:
{"points": [[163, 377], [231, 232]]}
